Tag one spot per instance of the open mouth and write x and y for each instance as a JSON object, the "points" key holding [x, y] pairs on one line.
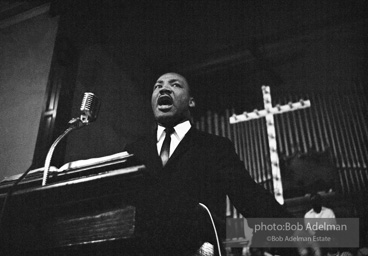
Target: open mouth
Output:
{"points": [[164, 102]]}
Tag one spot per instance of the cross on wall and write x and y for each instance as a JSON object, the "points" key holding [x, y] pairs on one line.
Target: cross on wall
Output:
{"points": [[269, 113]]}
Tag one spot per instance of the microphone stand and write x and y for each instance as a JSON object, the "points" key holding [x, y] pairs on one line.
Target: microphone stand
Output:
{"points": [[89, 110], [75, 123]]}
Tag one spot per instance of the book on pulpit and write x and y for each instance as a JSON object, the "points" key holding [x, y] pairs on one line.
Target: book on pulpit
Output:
{"points": [[118, 163]]}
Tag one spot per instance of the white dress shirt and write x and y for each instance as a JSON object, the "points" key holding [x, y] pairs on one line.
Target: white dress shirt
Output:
{"points": [[325, 216], [180, 131]]}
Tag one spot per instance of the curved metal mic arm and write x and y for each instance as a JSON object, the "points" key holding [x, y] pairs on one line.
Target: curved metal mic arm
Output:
{"points": [[213, 226], [75, 123]]}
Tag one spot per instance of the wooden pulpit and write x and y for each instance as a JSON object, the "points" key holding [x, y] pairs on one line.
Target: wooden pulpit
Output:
{"points": [[86, 210]]}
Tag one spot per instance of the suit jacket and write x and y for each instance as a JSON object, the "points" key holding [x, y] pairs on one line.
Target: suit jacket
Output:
{"points": [[204, 168]]}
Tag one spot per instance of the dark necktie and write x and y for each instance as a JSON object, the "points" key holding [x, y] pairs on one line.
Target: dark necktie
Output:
{"points": [[165, 149]]}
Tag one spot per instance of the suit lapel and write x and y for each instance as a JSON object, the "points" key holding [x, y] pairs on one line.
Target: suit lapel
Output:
{"points": [[155, 159], [183, 146], [147, 150]]}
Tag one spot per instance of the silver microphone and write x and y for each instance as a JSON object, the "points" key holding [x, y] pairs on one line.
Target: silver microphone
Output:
{"points": [[89, 108]]}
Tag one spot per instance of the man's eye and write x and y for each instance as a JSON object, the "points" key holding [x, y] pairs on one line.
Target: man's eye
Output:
{"points": [[157, 86], [176, 85]]}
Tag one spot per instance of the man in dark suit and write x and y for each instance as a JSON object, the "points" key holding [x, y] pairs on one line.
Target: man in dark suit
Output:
{"points": [[197, 168]]}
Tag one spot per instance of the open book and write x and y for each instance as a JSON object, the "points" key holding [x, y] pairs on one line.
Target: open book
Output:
{"points": [[73, 166], [95, 162]]}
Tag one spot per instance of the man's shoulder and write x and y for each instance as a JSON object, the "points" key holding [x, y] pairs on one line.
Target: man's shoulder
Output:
{"points": [[325, 209], [198, 137], [310, 214], [208, 138], [328, 211]]}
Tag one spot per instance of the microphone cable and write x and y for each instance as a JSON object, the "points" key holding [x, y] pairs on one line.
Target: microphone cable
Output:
{"points": [[214, 227]]}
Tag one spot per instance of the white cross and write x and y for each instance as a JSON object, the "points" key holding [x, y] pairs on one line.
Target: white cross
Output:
{"points": [[268, 112]]}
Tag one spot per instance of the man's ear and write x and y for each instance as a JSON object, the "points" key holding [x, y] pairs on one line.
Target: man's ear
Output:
{"points": [[191, 102]]}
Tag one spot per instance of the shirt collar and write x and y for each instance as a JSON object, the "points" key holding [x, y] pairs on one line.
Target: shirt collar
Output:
{"points": [[180, 130]]}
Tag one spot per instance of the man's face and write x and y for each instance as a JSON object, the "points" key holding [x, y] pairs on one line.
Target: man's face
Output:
{"points": [[171, 99]]}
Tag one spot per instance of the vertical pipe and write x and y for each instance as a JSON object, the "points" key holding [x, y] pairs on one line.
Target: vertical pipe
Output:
{"points": [[209, 123], [355, 134], [253, 151], [294, 129], [335, 131], [243, 141], [228, 127], [223, 126], [278, 133], [354, 180], [349, 124], [308, 121], [299, 117], [203, 125], [262, 155], [347, 133], [228, 207], [327, 127], [332, 131], [284, 135], [340, 122], [232, 135], [362, 129], [325, 134], [248, 148], [329, 134], [258, 169], [197, 125], [365, 177], [345, 171], [313, 128], [341, 180], [340, 142], [362, 180], [216, 124], [252, 160], [320, 135], [235, 212], [226, 133], [235, 137], [239, 139], [289, 133]]}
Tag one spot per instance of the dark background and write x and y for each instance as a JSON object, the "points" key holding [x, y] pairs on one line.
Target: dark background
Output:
{"points": [[227, 49]]}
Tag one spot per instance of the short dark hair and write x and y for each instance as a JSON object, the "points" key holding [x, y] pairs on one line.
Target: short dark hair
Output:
{"points": [[182, 74]]}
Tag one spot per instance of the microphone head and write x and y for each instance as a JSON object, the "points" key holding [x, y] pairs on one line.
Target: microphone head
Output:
{"points": [[89, 108]]}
